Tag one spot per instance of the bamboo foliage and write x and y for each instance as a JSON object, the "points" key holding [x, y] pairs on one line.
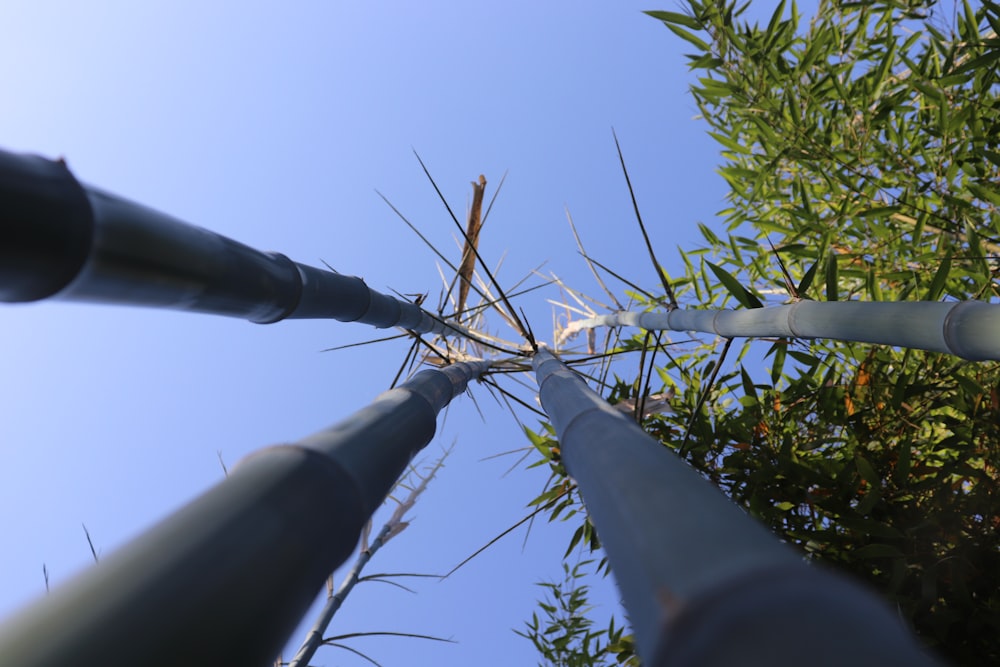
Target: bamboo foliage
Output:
{"points": [[868, 153], [860, 149]]}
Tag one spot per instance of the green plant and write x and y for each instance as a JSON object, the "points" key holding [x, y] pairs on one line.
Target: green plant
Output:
{"points": [[565, 635], [861, 151]]}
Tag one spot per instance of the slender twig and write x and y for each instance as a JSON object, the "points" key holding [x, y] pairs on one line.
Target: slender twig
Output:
{"points": [[414, 635], [631, 284], [704, 395], [485, 305], [671, 300], [514, 398], [423, 238], [504, 534], [590, 265], [355, 652], [411, 353], [93, 551], [789, 284], [364, 342], [395, 525], [524, 331]]}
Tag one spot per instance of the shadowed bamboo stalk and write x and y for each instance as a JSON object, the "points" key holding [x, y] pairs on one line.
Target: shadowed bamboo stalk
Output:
{"points": [[967, 329], [225, 580], [63, 239], [704, 584]]}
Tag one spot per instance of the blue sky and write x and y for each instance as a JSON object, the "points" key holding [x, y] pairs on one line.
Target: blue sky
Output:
{"points": [[275, 126]]}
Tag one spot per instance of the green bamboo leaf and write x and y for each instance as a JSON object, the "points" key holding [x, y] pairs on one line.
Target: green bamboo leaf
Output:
{"points": [[708, 234], [807, 279], [832, 286], [992, 156], [884, 69], [733, 286], [780, 350], [688, 37], [776, 17], [675, 17], [969, 385], [748, 387], [867, 504], [939, 280], [877, 212], [874, 284], [984, 193], [731, 144]]}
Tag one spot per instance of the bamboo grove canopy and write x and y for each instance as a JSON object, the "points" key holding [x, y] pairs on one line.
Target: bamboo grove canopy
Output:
{"points": [[160, 596]]}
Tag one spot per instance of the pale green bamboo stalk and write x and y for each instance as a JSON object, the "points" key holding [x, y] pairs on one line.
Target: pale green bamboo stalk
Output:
{"points": [[966, 329], [702, 582]]}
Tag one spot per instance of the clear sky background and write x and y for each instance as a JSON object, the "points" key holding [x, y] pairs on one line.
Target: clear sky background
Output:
{"points": [[274, 123]]}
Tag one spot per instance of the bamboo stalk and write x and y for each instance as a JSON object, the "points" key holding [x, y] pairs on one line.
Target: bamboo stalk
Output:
{"points": [[63, 239], [967, 329], [703, 583], [225, 580]]}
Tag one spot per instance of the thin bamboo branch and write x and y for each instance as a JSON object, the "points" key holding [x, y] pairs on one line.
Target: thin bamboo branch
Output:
{"points": [[590, 265], [523, 329], [671, 300], [394, 526]]}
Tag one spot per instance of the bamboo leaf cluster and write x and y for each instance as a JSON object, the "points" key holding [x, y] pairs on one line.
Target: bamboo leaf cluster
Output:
{"points": [[860, 147]]}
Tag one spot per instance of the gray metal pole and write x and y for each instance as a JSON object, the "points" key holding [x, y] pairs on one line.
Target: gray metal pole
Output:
{"points": [[703, 584], [226, 579]]}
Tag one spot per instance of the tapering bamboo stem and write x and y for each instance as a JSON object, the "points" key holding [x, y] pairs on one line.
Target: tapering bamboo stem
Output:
{"points": [[63, 239], [703, 583], [967, 329], [226, 579]]}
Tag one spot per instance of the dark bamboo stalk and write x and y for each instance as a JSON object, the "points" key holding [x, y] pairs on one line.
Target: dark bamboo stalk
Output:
{"points": [[60, 238], [226, 579]]}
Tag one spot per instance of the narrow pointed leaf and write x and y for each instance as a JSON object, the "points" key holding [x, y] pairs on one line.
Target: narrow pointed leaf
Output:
{"points": [[738, 292], [939, 280], [832, 286], [807, 279]]}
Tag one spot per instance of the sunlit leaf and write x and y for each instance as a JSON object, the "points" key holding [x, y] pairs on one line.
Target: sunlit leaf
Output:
{"points": [[735, 289]]}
